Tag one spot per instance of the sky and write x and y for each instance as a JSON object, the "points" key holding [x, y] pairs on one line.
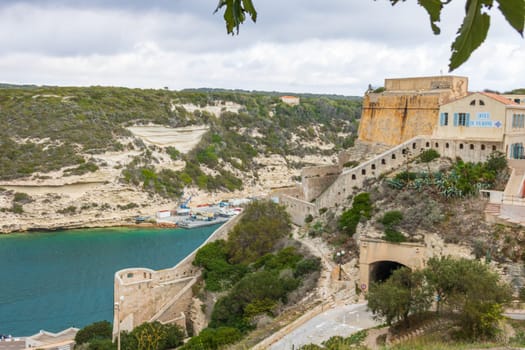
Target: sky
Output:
{"points": [[317, 46]]}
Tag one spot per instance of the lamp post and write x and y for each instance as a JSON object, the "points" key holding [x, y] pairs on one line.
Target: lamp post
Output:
{"points": [[339, 255], [117, 309]]}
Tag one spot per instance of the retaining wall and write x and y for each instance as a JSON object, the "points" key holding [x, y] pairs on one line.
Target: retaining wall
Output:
{"points": [[163, 295]]}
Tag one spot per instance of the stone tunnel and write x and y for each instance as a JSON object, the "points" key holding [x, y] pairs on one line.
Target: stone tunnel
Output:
{"points": [[378, 259]]}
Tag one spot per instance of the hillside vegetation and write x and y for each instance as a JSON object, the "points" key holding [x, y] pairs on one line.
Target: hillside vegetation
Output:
{"points": [[52, 128]]}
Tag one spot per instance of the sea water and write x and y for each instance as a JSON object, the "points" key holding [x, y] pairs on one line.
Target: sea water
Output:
{"points": [[56, 280]]}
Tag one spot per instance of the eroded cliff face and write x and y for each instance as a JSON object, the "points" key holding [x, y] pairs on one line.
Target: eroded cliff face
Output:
{"points": [[407, 108], [393, 119]]}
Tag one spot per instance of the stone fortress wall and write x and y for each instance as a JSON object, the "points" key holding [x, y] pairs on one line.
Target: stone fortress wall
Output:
{"points": [[407, 108], [338, 191], [145, 295]]}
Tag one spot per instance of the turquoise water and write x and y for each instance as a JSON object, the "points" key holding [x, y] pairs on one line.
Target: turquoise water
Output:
{"points": [[55, 280]]}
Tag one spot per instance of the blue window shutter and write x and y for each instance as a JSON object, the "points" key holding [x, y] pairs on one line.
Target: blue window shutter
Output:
{"points": [[442, 119], [467, 120], [455, 119]]}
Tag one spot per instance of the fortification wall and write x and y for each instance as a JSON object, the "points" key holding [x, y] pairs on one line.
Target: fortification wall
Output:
{"points": [[342, 187], [392, 119], [297, 208], [164, 295]]}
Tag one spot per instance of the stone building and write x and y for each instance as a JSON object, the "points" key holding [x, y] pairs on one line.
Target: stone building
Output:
{"points": [[408, 107], [291, 100]]}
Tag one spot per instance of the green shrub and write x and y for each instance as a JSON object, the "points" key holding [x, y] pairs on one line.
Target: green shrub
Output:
{"points": [[152, 336], [309, 218], [429, 155], [361, 209], [213, 338], [94, 331], [17, 208], [391, 218], [393, 236], [22, 198]]}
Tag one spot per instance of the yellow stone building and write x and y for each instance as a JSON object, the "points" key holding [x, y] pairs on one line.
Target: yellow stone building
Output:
{"points": [[407, 107]]}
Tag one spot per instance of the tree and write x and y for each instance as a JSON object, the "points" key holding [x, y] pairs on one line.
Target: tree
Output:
{"points": [[403, 294], [152, 336], [94, 331], [263, 224], [471, 34]]}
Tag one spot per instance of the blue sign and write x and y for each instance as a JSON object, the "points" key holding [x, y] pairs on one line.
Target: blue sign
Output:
{"points": [[483, 121]]}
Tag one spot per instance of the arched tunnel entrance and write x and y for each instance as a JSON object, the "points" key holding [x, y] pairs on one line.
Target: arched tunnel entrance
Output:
{"points": [[380, 271]]}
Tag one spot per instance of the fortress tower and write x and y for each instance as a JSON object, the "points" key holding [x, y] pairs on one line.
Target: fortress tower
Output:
{"points": [[408, 107]]}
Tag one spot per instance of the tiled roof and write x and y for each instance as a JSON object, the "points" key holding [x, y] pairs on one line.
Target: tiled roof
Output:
{"points": [[499, 98]]}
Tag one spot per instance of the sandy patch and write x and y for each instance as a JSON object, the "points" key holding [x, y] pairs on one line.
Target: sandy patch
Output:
{"points": [[183, 139], [217, 109]]}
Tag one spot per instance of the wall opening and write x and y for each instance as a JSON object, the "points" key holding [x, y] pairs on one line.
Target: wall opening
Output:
{"points": [[380, 271], [383, 161]]}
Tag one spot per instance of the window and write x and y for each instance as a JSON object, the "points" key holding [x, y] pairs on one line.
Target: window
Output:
{"points": [[443, 119], [481, 102], [518, 121], [436, 145], [473, 102], [482, 147], [471, 146], [383, 161], [516, 151], [460, 146], [461, 119], [447, 145]]}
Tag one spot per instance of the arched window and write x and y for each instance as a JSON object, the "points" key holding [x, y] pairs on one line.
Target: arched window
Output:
{"points": [[383, 161], [482, 147], [437, 145], [363, 172], [373, 167], [460, 146], [447, 145], [481, 102], [473, 102], [471, 146], [353, 176]]}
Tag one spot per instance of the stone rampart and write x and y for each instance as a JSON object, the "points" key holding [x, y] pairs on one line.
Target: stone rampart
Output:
{"points": [[350, 179], [165, 295], [297, 208], [316, 179]]}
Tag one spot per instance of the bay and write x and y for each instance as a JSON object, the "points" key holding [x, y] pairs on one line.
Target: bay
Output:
{"points": [[56, 280]]}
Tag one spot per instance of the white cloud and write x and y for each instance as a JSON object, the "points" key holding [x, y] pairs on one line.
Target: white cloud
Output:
{"points": [[295, 46]]}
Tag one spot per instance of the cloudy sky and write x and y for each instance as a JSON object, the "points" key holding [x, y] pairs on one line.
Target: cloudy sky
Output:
{"points": [[322, 46]]}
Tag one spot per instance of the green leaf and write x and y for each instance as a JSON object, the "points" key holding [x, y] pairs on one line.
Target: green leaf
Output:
{"points": [[234, 14], [471, 34], [514, 12], [250, 9], [433, 8]]}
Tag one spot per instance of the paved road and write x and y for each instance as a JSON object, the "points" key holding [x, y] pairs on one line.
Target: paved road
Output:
{"points": [[341, 320]]}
